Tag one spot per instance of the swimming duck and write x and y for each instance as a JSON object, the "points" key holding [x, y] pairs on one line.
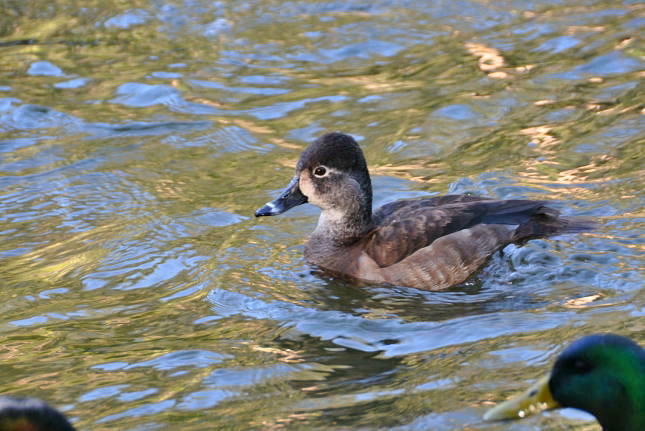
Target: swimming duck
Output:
{"points": [[603, 374], [30, 414], [430, 243]]}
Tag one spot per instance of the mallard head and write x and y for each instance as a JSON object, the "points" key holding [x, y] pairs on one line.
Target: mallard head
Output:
{"points": [[603, 374], [30, 414]]}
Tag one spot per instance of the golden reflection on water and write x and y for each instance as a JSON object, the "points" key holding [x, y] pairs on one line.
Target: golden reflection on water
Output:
{"points": [[489, 59]]}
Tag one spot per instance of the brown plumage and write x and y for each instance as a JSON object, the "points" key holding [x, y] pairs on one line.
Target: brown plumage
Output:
{"points": [[431, 243]]}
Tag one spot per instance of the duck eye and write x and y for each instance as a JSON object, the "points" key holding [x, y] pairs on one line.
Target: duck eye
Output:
{"points": [[581, 366], [320, 171]]}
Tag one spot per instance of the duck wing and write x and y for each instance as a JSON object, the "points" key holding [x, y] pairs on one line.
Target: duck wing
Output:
{"points": [[388, 209], [404, 227]]}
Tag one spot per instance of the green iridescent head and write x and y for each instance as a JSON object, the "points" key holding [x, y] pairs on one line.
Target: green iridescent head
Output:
{"points": [[603, 374]]}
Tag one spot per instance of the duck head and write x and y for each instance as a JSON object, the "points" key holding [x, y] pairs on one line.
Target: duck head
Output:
{"points": [[22, 413], [331, 174], [603, 374]]}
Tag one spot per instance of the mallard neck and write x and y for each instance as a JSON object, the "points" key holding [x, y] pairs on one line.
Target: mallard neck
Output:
{"points": [[628, 412], [625, 420]]}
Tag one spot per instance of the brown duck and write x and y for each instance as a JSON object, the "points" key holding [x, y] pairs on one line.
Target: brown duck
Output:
{"points": [[429, 243]]}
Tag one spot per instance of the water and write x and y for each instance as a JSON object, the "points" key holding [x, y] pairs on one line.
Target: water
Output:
{"points": [[137, 138]]}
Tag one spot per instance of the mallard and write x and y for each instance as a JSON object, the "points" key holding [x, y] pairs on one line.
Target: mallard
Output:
{"points": [[30, 414], [603, 374]]}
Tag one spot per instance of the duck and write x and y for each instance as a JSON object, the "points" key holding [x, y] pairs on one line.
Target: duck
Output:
{"points": [[25, 413], [602, 374], [430, 243]]}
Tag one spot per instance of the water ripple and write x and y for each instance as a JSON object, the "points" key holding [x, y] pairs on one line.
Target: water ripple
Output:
{"points": [[391, 336]]}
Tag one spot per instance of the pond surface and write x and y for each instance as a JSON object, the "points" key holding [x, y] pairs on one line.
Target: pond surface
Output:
{"points": [[137, 138]]}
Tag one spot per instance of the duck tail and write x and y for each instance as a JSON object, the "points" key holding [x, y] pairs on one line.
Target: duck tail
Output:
{"points": [[548, 222]]}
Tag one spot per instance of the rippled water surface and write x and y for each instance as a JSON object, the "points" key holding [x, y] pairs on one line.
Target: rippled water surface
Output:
{"points": [[137, 138]]}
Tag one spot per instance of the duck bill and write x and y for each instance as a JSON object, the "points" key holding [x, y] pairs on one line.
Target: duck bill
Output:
{"points": [[537, 398], [290, 197]]}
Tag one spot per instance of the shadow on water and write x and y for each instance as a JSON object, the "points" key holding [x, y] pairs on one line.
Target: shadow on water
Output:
{"points": [[140, 293]]}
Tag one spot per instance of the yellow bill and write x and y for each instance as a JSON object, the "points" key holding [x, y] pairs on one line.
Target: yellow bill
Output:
{"points": [[537, 398]]}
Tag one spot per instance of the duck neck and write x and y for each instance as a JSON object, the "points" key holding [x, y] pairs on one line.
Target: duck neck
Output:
{"points": [[629, 418], [344, 226]]}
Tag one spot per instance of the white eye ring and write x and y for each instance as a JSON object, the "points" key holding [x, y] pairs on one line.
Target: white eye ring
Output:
{"points": [[320, 171]]}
